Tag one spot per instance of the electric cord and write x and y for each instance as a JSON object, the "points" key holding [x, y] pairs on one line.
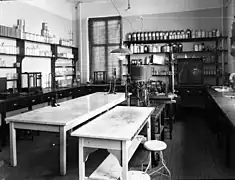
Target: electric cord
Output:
{"points": [[141, 18]]}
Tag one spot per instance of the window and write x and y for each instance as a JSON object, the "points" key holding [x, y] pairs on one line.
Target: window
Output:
{"points": [[104, 36]]}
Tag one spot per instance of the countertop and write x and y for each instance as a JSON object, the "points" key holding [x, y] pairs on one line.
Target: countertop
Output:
{"points": [[226, 104], [120, 123], [78, 109]]}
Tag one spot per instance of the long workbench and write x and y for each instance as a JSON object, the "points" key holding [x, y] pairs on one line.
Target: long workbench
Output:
{"points": [[27, 102], [61, 119], [221, 120]]}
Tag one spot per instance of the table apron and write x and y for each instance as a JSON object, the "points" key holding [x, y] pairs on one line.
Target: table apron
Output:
{"points": [[37, 127], [102, 143]]}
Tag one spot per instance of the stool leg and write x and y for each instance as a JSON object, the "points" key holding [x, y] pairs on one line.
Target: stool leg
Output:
{"points": [[164, 163]]}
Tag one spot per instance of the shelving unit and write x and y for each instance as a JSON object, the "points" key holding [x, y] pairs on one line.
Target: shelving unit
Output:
{"points": [[20, 57], [169, 42]]}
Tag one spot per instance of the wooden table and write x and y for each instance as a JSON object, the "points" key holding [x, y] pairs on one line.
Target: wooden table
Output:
{"points": [[117, 131], [61, 119]]}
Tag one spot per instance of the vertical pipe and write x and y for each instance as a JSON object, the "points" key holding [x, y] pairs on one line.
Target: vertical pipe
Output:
{"points": [[222, 40]]}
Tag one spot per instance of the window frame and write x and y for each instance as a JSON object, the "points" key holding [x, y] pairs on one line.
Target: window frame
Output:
{"points": [[106, 45]]}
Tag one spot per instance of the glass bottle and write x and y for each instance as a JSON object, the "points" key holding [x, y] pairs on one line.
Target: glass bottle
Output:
{"points": [[153, 36], [157, 35], [149, 36], [138, 36], [134, 36], [146, 36], [142, 36]]}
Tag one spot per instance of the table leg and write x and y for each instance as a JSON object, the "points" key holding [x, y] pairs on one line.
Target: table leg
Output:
{"points": [[62, 150], [13, 155], [81, 164], [124, 161], [151, 154]]}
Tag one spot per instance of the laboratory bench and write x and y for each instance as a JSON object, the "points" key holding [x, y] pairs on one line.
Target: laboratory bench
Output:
{"points": [[24, 102]]}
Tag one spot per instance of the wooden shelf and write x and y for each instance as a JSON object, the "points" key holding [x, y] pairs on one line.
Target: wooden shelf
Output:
{"points": [[64, 58], [65, 75], [160, 75], [35, 56], [175, 40], [145, 53], [9, 37], [188, 52], [7, 67], [65, 66], [63, 46], [12, 79], [4, 54], [150, 65], [37, 42], [133, 145], [103, 171]]}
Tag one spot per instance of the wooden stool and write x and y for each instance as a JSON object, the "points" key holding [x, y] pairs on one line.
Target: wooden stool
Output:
{"points": [[158, 146], [138, 175]]}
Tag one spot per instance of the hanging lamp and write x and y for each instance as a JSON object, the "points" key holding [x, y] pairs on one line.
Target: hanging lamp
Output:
{"points": [[121, 50]]}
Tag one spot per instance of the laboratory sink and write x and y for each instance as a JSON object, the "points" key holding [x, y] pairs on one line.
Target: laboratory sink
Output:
{"points": [[229, 94], [222, 88]]}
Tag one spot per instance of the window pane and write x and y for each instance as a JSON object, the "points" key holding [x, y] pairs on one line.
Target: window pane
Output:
{"points": [[114, 28], [114, 62], [98, 59], [98, 32]]}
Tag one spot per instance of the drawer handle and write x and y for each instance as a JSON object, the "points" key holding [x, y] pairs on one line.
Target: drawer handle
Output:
{"points": [[33, 100], [188, 91], [15, 104]]}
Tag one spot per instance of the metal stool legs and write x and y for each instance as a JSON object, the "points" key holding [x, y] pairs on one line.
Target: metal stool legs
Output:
{"points": [[168, 173]]}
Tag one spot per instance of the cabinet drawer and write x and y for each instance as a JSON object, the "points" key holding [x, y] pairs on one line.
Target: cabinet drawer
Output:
{"points": [[47, 97], [35, 100], [12, 105], [64, 94]]}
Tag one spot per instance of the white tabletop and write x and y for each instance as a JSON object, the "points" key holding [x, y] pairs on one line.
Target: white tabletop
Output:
{"points": [[120, 123], [80, 110]]}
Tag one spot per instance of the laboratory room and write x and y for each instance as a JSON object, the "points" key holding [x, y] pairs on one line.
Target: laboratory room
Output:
{"points": [[117, 89]]}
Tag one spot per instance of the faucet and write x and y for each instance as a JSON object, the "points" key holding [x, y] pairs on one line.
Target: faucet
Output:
{"points": [[232, 81]]}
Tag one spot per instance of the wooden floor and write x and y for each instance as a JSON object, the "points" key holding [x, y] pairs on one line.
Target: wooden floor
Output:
{"points": [[191, 154]]}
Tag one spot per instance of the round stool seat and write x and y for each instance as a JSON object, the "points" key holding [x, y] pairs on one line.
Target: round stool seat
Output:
{"points": [[138, 175], [155, 145]]}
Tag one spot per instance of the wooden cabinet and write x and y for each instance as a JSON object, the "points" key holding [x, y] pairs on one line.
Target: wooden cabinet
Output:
{"points": [[192, 97]]}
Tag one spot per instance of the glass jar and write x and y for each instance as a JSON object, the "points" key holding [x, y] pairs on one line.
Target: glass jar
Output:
{"points": [[150, 36], [129, 37], [146, 36], [195, 47], [203, 34], [217, 33], [142, 36], [157, 35], [189, 34], [134, 36], [138, 36], [199, 33], [170, 34], [180, 47], [210, 34], [214, 32], [193, 34], [153, 36]]}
